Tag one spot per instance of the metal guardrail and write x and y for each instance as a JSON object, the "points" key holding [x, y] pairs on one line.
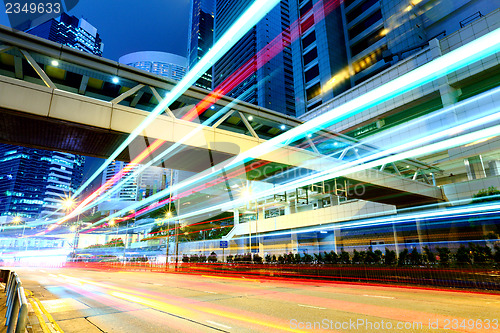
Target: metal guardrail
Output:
{"points": [[17, 305]]}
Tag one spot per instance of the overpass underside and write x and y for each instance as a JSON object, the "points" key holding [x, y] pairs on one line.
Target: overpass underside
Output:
{"points": [[75, 109]]}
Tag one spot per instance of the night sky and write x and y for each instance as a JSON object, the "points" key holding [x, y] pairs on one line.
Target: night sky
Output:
{"points": [[130, 25]]}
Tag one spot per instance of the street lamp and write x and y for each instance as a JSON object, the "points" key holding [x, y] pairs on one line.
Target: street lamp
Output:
{"points": [[17, 220], [167, 216], [68, 203]]}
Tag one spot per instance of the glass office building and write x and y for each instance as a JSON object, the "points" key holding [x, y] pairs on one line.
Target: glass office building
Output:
{"points": [[270, 83], [70, 31], [201, 37], [33, 182]]}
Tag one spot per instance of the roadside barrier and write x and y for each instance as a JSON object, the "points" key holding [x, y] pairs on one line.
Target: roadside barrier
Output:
{"points": [[17, 305]]}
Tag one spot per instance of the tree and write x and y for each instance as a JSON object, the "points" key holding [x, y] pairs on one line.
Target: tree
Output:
{"points": [[415, 257], [344, 258], [428, 257], [444, 255], [496, 257], [485, 195], [390, 257], [462, 255], [403, 257], [212, 257]]}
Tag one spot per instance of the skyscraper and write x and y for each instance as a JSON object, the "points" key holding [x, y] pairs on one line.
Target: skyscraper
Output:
{"points": [[344, 43], [70, 31], [165, 64], [201, 37], [318, 53], [270, 82], [34, 182]]}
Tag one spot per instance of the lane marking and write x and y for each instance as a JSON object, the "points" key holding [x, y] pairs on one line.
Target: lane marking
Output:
{"points": [[388, 297], [210, 292], [43, 271], [229, 278], [310, 306], [37, 306], [218, 324]]}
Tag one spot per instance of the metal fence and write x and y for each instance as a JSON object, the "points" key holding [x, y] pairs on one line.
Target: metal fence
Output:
{"points": [[17, 305]]}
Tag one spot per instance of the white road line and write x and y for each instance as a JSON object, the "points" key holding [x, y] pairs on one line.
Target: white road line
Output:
{"points": [[210, 292], [218, 324], [379, 296], [43, 271], [310, 306]]}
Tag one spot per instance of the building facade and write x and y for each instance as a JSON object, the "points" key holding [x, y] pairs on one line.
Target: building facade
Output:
{"points": [[268, 79], [201, 37], [343, 44], [34, 182], [319, 53], [70, 31], [161, 63]]}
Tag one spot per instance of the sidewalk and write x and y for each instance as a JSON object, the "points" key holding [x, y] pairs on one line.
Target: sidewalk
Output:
{"points": [[33, 323], [3, 308]]}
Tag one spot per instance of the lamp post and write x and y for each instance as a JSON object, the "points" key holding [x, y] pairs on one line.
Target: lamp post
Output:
{"points": [[168, 215], [68, 203], [126, 238], [17, 220]]}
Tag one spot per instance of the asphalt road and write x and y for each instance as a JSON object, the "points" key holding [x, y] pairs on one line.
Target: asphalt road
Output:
{"points": [[136, 302]]}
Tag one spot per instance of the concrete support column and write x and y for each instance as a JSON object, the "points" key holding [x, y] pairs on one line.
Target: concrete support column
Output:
{"points": [[449, 95], [329, 241], [334, 200], [475, 167], [236, 217], [294, 243], [396, 245]]}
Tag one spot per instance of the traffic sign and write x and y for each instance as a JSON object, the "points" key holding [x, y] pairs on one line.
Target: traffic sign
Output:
{"points": [[224, 244]]}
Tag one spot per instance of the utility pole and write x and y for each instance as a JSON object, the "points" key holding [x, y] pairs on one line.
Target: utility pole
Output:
{"points": [[177, 234], [169, 215]]}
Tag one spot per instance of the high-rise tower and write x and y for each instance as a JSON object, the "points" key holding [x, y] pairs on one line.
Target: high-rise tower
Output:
{"points": [[70, 31], [34, 182], [201, 37], [268, 81]]}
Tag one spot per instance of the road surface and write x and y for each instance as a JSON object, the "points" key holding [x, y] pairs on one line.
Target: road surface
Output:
{"points": [[140, 302]]}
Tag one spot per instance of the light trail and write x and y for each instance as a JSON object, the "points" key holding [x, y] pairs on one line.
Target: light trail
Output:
{"points": [[273, 49], [239, 28], [469, 53], [249, 18], [374, 160]]}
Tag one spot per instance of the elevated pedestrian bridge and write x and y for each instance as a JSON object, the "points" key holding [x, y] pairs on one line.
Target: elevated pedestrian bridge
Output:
{"points": [[55, 97]]}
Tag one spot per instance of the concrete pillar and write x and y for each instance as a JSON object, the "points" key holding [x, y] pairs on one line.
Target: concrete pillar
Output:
{"points": [[236, 217], [294, 244], [475, 167], [396, 245], [449, 95], [329, 241], [334, 200]]}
